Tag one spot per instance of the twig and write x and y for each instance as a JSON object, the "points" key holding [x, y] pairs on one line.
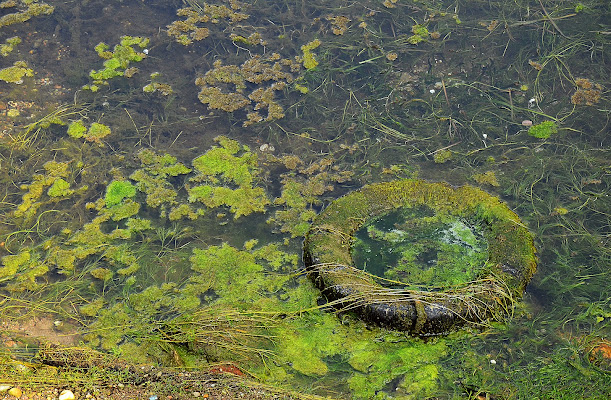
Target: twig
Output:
{"points": [[551, 20], [511, 104], [445, 92]]}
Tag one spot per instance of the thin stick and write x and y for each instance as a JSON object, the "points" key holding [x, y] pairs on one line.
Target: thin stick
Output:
{"points": [[551, 20], [511, 105], [445, 92]]}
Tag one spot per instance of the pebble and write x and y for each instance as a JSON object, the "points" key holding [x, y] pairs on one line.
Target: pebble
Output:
{"points": [[4, 388], [66, 395], [15, 392]]}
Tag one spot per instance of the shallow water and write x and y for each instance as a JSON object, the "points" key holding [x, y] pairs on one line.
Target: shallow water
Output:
{"points": [[226, 147]]}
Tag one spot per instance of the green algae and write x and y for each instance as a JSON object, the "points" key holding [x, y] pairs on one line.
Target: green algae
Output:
{"points": [[16, 73], [153, 179], [9, 45], [26, 10], [543, 130], [116, 191], [415, 364], [76, 129], [420, 249], [302, 190], [117, 61], [95, 133], [420, 34], [54, 180], [22, 270], [309, 61], [60, 188], [233, 165]]}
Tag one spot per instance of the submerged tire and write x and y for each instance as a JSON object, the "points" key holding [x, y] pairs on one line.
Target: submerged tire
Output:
{"points": [[511, 258]]}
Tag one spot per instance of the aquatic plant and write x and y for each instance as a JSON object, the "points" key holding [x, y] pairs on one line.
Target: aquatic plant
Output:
{"points": [[190, 29], [228, 164], [59, 188], [153, 180], [116, 191], [487, 178], [26, 9], [420, 34], [543, 130], [9, 45], [16, 73], [587, 93], [32, 200], [252, 39], [117, 61], [224, 87], [308, 59], [339, 24], [76, 129], [302, 190], [95, 133]]}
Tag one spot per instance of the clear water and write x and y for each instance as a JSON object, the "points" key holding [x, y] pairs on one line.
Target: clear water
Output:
{"points": [[418, 248], [438, 90]]}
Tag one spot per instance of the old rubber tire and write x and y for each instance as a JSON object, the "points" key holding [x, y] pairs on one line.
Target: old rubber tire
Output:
{"points": [[510, 266]]}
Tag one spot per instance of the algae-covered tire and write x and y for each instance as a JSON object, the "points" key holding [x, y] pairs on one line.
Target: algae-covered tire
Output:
{"points": [[511, 259]]}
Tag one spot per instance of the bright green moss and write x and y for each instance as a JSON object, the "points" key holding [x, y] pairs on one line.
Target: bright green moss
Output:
{"points": [[116, 191], [543, 130], [21, 271], [118, 60], [97, 131], [76, 129], [228, 165]]}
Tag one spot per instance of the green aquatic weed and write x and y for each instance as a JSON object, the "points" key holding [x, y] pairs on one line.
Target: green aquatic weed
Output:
{"points": [[309, 62], [229, 164], [76, 129], [9, 45], [117, 61], [543, 130], [16, 73], [59, 188], [116, 191]]}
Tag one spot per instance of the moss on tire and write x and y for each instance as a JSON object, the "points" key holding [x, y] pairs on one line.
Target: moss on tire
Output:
{"points": [[501, 281]]}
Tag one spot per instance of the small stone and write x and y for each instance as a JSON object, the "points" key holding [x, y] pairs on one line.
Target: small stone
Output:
{"points": [[66, 395], [196, 394], [4, 387], [15, 392]]}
